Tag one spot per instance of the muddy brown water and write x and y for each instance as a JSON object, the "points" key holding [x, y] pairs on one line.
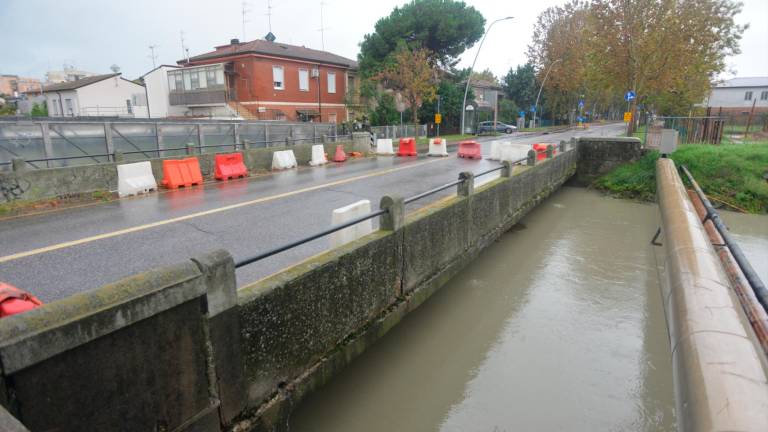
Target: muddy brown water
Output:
{"points": [[556, 327]]}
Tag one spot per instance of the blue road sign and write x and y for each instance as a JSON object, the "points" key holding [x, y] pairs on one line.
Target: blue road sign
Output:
{"points": [[629, 96], [579, 119], [581, 104], [522, 113], [533, 109]]}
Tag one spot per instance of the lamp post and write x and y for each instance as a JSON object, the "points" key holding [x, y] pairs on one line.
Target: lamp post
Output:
{"points": [[536, 105], [466, 89]]}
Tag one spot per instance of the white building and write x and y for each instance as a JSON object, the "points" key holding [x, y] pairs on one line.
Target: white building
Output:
{"points": [[68, 74], [737, 95], [107, 95], [194, 91]]}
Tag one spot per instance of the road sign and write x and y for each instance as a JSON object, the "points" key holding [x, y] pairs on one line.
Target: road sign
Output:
{"points": [[629, 96], [533, 109], [627, 116], [522, 113], [438, 118], [581, 104]]}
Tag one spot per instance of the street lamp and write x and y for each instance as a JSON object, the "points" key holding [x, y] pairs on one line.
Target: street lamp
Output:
{"points": [[466, 89], [536, 105]]}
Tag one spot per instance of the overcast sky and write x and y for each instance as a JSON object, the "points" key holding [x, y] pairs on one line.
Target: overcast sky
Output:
{"points": [[41, 35]]}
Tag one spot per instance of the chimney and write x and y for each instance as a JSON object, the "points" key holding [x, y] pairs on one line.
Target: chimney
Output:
{"points": [[234, 41]]}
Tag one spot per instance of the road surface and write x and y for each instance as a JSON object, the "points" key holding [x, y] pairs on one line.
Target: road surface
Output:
{"points": [[59, 253]]}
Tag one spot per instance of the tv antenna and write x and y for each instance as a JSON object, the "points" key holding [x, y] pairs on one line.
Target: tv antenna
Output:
{"points": [[245, 11], [152, 54], [269, 14], [322, 28], [184, 49]]}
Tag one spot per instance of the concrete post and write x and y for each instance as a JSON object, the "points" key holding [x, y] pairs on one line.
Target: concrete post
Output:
{"points": [[48, 146], [563, 146], [236, 134], [287, 141], [531, 157], [266, 135], [394, 219], [190, 149], [118, 156], [159, 140], [200, 137], [507, 170], [108, 137], [18, 164], [574, 142], [550, 151], [467, 186], [226, 370], [246, 144], [325, 138]]}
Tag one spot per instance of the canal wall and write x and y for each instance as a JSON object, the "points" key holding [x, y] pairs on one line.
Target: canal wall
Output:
{"points": [[30, 184], [180, 349], [721, 380], [599, 155]]}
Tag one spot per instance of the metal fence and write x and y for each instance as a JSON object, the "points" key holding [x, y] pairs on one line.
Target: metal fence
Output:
{"points": [[49, 144], [399, 131], [722, 129]]}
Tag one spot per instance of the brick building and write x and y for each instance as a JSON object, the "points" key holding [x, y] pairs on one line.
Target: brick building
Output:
{"points": [[268, 81], [15, 86]]}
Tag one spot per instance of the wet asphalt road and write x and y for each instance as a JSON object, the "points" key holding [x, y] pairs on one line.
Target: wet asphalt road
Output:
{"points": [[57, 254]]}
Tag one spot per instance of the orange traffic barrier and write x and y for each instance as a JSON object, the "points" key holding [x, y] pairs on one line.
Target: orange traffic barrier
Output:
{"points": [[407, 147], [181, 172], [355, 154], [230, 166], [541, 151], [15, 301], [470, 149], [340, 156]]}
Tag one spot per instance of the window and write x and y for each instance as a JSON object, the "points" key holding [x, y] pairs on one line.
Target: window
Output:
{"points": [[210, 76], [187, 80], [129, 106], [194, 80], [203, 78], [748, 95], [764, 95], [220, 76], [179, 82], [278, 78], [331, 82], [171, 82], [68, 103], [303, 80]]}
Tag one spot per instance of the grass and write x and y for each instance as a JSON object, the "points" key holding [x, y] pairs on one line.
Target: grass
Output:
{"points": [[23, 207], [729, 174], [450, 138]]}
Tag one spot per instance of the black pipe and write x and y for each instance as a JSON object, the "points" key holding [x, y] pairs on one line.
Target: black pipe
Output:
{"points": [[754, 280]]}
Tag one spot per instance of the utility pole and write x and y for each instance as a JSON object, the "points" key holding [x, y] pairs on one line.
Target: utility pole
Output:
{"points": [[152, 54], [269, 14], [536, 105]]}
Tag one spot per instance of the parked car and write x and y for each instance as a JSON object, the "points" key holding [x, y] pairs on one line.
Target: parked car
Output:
{"points": [[487, 127]]}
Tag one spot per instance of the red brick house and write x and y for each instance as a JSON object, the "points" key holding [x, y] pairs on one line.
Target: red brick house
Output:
{"points": [[275, 81]]}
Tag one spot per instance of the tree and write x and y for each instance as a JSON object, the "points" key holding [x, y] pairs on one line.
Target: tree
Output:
{"points": [[520, 86], [412, 76], [485, 75], [39, 110], [508, 111], [445, 28], [385, 112], [451, 92]]}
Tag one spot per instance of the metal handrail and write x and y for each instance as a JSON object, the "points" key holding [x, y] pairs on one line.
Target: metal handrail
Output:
{"points": [[357, 220], [754, 280]]}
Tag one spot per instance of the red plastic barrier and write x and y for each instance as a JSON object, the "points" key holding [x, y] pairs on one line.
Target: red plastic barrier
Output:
{"points": [[407, 147], [230, 166], [340, 156], [470, 150], [15, 301], [437, 141], [541, 151], [181, 172]]}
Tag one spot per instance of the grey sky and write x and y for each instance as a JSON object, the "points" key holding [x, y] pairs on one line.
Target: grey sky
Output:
{"points": [[93, 34]]}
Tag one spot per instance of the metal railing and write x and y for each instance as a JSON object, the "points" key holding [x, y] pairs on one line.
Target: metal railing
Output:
{"points": [[377, 213], [59, 143]]}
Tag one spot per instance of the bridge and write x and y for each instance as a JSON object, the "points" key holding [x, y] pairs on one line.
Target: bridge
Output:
{"points": [[138, 336]]}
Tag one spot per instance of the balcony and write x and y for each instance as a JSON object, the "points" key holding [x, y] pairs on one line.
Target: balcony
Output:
{"points": [[198, 97]]}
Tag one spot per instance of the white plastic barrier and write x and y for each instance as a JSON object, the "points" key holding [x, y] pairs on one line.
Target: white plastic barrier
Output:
{"points": [[384, 146], [318, 155], [438, 148], [346, 213], [135, 178], [283, 159], [496, 150], [511, 152]]}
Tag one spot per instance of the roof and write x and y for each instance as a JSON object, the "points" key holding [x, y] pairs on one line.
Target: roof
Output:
{"points": [[158, 67], [484, 84], [263, 47], [744, 82], [72, 85]]}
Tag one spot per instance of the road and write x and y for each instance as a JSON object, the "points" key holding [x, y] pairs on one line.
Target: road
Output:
{"points": [[59, 253]]}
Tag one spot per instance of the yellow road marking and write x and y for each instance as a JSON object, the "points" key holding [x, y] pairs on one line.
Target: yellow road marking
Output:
{"points": [[205, 213]]}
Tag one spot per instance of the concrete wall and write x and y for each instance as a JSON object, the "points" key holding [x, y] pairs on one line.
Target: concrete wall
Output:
{"points": [[599, 155], [721, 383], [35, 184], [180, 349]]}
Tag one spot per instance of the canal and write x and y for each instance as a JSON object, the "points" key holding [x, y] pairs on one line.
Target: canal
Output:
{"points": [[557, 326]]}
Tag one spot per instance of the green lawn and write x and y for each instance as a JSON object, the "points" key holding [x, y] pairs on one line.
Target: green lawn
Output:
{"points": [[728, 174]]}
